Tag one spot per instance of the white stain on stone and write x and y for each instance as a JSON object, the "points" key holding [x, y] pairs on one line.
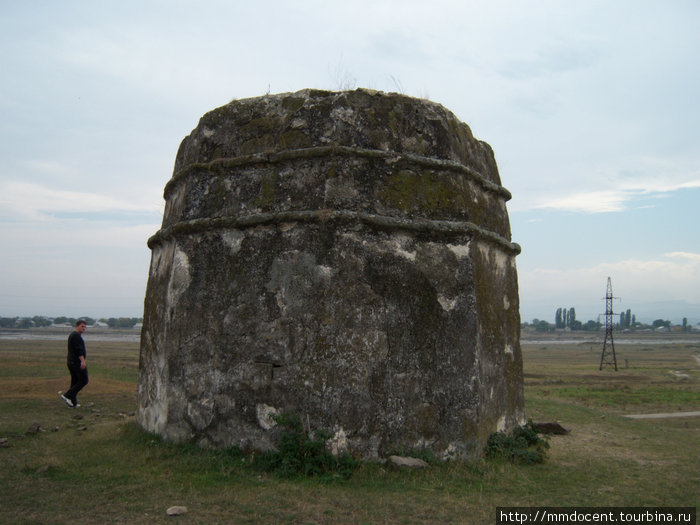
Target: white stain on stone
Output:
{"points": [[324, 272], [266, 415], [338, 443], [299, 123], [232, 239], [343, 114], [446, 303], [154, 416], [201, 412], [497, 259], [423, 443], [460, 250], [508, 350], [179, 277], [397, 246], [501, 425], [452, 452], [506, 303], [157, 260]]}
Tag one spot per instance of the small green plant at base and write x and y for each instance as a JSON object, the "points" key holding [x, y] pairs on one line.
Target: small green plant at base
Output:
{"points": [[523, 445], [299, 454]]}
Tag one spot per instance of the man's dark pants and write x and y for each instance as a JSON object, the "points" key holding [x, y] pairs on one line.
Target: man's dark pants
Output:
{"points": [[78, 379]]}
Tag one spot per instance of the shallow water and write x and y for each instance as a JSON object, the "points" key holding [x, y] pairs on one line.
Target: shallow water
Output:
{"points": [[644, 341], [56, 335]]}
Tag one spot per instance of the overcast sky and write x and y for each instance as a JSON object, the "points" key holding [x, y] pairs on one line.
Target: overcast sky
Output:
{"points": [[591, 108]]}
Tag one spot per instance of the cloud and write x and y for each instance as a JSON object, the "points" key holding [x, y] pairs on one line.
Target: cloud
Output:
{"points": [[27, 201], [694, 258], [589, 202], [661, 185], [671, 276], [620, 195]]}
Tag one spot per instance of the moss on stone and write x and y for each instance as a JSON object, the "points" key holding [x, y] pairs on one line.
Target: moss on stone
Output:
{"points": [[407, 190], [268, 188], [292, 104], [261, 126], [332, 170], [294, 140], [258, 145], [393, 121]]}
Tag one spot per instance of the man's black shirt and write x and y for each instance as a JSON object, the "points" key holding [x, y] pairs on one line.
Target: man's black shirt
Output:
{"points": [[76, 348]]}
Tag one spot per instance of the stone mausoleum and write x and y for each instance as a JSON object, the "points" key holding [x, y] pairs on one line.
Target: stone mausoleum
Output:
{"points": [[342, 256]]}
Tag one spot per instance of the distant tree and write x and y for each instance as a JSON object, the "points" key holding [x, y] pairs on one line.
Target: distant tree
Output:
{"points": [[25, 322], [626, 319], [571, 318], [658, 323], [543, 326], [122, 322], [558, 323], [41, 321], [685, 324], [591, 326], [8, 322]]}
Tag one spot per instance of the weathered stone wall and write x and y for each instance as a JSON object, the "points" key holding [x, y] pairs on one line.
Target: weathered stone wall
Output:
{"points": [[342, 256]]}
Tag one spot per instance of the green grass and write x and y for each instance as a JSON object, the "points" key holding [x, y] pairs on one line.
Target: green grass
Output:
{"points": [[102, 468], [628, 395]]}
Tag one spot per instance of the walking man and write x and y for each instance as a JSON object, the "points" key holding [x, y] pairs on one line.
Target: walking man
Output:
{"points": [[76, 364]]}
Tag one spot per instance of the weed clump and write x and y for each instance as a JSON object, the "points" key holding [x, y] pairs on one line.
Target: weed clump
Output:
{"points": [[303, 454], [523, 445]]}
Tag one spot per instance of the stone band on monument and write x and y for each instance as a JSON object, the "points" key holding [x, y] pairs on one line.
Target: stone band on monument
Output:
{"points": [[345, 257]]}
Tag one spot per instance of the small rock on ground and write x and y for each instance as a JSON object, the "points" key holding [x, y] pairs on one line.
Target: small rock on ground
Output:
{"points": [[402, 461], [551, 428], [34, 428], [176, 510]]}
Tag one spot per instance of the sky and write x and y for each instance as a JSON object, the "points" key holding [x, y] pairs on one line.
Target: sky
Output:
{"points": [[591, 108]]}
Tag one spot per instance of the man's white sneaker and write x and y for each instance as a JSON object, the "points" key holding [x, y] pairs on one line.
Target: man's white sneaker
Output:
{"points": [[68, 401]]}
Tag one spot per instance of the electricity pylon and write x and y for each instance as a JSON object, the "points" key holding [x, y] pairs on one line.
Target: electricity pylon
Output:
{"points": [[608, 356]]}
